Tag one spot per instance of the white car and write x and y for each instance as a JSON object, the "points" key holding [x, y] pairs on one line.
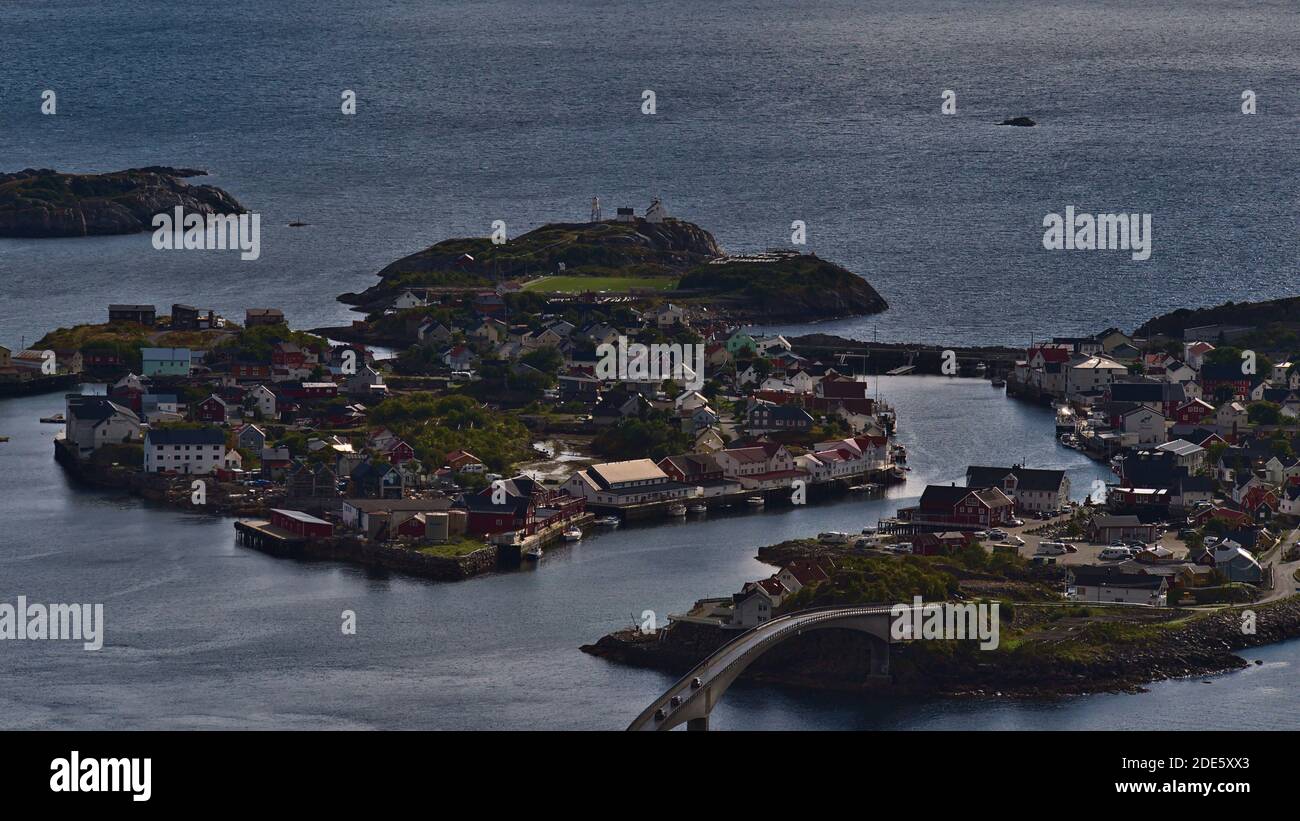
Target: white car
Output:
{"points": [[1116, 553], [1052, 549], [1000, 535], [833, 537]]}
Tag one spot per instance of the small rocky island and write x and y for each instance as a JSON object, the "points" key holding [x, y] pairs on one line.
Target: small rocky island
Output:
{"points": [[41, 202], [672, 258]]}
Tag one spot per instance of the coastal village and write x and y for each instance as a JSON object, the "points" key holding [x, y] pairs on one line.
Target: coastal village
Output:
{"points": [[436, 456], [462, 429], [1200, 436]]}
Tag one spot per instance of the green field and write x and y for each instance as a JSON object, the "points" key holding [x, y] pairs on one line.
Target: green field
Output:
{"points": [[578, 284]]}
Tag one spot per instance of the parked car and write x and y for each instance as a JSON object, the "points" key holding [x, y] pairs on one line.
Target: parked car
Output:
{"points": [[1111, 553], [1017, 522], [997, 533], [833, 537], [1052, 548]]}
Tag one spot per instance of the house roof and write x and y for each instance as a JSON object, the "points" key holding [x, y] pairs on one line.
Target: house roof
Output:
{"points": [[186, 436], [1026, 478], [632, 470]]}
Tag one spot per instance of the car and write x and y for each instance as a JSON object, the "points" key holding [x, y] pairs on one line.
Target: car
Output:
{"points": [[998, 534], [1017, 522], [833, 537], [696, 683], [1051, 548], [1043, 559], [981, 534], [1015, 540], [660, 715], [1118, 543], [675, 701], [1112, 553]]}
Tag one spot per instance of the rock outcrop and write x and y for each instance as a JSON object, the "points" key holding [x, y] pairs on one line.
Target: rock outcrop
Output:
{"points": [[40, 202]]}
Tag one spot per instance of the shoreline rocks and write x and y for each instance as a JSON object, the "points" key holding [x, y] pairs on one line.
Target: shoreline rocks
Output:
{"points": [[38, 203]]}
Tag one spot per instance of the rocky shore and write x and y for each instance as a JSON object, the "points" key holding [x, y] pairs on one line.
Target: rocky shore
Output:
{"points": [[1185, 644], [41, 202]]}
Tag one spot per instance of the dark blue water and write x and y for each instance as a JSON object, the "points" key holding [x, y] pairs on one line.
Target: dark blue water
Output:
{"points": [[768, 112], [203, 633]]}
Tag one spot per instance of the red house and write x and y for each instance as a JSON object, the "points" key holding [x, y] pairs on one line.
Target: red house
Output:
{"points": [[300, 524], [288, 355], [945, 507], [1191, 413], [400, 452], [213, 409], [250, 370]]}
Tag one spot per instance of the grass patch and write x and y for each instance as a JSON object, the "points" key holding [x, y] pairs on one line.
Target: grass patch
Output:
{"points": [[451, 550], [579, 284]]}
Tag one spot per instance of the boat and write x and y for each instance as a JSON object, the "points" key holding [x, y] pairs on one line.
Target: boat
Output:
{"points": [[298, 224], [980, 368], [4, 438], [56, 419], [754, 501], [698, 508], [998, 382], [573, 534], [1065, 419], [609, 521], [1069, 440], [868, 487], [534, 553], [898, 472], [677, 509]]}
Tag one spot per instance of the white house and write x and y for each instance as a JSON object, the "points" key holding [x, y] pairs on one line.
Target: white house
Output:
{"points": [[95, 421], [1092, 374], [263, 400], [184, 450], [408, 299]]}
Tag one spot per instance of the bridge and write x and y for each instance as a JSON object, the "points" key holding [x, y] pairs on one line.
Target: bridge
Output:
{"points": [[688, 702]]}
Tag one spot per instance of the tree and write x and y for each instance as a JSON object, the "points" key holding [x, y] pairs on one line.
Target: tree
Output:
{"points": [[1264, 413]]}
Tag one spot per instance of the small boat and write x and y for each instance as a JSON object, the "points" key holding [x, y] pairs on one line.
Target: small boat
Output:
{"points": [[573, 534], [56, 419], [998, 382], [533, 553], [609, 521], [898, 472], [4, 438], [698, 508], [677, 509], [298, 224], [755, 501]]}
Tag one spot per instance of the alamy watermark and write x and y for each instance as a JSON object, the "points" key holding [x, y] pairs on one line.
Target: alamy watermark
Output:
{"points": [[1100, 232], [946, 621], [54, 622], [208, 232], [634, 361]]}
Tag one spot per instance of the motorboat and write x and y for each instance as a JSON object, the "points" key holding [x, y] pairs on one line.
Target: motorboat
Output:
{"points": [[677, 509], [698, 508], [573, 534], [609, 521], [533, 553], [755, 501]]}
